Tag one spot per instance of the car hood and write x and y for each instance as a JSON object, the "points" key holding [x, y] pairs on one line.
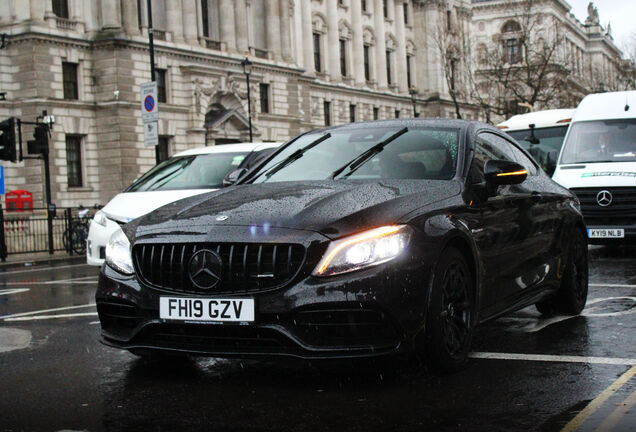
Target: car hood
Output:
{"points": [[609, 174], [332, 208], [127, 206]]}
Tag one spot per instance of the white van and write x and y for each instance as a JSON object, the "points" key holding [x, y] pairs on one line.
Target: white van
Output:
{"points": [[185, 174], [598, 163], [540, 132]]}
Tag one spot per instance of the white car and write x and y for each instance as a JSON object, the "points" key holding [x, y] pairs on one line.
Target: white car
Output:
{"points": [[188, 173], [598, 164], [547, 134]]}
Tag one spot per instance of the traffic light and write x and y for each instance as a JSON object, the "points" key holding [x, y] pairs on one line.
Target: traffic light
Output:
{"points": [[40, 144], [7, 140]]}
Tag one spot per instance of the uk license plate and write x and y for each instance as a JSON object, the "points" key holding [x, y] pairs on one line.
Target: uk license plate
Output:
{"points": [[606, 233], [206, 310]]}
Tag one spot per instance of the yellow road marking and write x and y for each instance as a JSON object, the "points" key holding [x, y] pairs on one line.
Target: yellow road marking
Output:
{"points": [[577, 421], [618, 413]]}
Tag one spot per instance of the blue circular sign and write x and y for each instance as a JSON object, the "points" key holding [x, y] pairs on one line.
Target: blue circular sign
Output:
{"points": [[149, 103]]}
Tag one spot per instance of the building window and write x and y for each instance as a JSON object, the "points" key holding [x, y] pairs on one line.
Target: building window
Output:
{"points": [[264, 95], [343, 57], [376, 113], [74, 160], [406, 13], [511, 51], [204, 18], [364, 6], [60, 8], [162, 149], [317, 59], [389, 78], [367, 63], [448, 20], [352, 113], [69, 77], [397, 113], [385, 8], [326, 108], [160, 76], [409, 80]]}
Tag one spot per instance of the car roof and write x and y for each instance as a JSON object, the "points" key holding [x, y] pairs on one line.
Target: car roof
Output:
{"points": [[607, 106], [229, 148], [540, 119], [406, 122]]}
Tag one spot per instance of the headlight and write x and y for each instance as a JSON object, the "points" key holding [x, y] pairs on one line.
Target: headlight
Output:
{"points": [[118, 253], [362, 250], [100, 218]]}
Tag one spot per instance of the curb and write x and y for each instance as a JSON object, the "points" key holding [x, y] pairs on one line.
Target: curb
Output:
{"points": [[26, 263]]}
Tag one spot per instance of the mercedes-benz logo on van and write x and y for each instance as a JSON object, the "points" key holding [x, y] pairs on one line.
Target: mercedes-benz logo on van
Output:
{"points": [[205, 269], [604, 198]]}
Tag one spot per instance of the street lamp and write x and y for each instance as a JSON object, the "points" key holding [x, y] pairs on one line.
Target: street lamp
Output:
{"points": [[247, 70], [413, 93]]}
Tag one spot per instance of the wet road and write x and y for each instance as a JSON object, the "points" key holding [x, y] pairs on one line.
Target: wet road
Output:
{"points": [[527, 373]]}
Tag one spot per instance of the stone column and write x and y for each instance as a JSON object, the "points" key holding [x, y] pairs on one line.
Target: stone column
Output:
{"points": [[357, 43], [240, 20], [308, 43], [400, 50], [272, 28], [333, 45], [174, 21], [226, 18], [380, 44], [111, 16], [36, 9], [285, 30], [129, 15], [190, 22]]}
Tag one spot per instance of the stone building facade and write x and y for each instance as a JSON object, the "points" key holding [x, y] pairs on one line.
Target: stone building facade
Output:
{"points": [[316, 63]]}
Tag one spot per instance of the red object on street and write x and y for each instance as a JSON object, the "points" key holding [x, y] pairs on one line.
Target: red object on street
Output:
{"points": [[19, 200]]}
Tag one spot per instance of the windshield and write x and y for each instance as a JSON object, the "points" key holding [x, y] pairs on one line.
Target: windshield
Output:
{"points": [[420, 153], [601, 141], [549, 139], [189, 172]]}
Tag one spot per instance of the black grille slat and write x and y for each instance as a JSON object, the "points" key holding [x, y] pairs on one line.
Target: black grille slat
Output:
{"points": [[247, 267]]}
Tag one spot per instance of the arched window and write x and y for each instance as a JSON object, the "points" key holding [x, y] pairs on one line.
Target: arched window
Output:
{"points": [[511, 27], [511, 42]]}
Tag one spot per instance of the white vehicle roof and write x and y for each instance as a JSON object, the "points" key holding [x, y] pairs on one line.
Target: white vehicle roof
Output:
{"points": [[541, 119], [606, 106], [229, 148]]}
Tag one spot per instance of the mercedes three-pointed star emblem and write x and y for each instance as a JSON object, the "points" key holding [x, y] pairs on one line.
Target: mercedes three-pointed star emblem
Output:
{"points": [[205, 269], [604, 198]]}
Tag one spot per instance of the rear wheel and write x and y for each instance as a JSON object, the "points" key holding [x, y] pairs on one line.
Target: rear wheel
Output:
{"points": [[571, 298], [450, 316]]}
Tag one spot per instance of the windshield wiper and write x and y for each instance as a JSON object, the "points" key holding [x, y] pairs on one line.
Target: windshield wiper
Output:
{"points": [[359, 160], [294, 156]]}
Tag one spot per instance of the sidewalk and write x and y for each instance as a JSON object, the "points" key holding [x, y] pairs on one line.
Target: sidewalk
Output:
{"points": [[40, 259]]}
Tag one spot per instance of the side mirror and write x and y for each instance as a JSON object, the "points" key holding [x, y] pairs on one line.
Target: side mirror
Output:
{"points": [[234, 176], [551, 162], [501, 172]]}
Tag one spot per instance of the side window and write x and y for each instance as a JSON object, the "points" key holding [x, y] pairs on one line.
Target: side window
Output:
{"points": [[524, 161], [506, 151]]}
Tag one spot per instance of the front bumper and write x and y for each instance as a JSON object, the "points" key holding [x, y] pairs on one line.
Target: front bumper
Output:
{"points": [[361, 314]]}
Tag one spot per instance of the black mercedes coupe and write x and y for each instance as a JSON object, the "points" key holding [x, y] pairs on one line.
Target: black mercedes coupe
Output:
{"points": [[352, 241]]}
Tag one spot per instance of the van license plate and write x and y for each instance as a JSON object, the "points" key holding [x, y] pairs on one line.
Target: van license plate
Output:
{"points": [[206, 310], [606, 233]]}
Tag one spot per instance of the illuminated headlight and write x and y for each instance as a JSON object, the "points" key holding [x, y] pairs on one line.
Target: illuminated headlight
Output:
{"points": [[118, 253], [100, 218], [362, 250]]}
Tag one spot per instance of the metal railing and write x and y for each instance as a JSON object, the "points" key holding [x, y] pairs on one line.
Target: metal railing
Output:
{"points": [[27, 231]]}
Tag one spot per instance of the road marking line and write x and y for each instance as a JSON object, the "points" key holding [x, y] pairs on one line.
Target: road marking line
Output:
{"points": [[593, 406], [612, 285], [81, 281], [13, 291], [43, 317], [554, 358], [46, 310], [610, 422], [35, 268]]}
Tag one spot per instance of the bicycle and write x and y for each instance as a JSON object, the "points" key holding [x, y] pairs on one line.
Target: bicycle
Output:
{"points": [[78, 232]]}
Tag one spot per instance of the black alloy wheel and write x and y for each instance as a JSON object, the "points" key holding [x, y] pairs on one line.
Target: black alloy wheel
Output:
{"points": [[571, 298], [450, 320]]}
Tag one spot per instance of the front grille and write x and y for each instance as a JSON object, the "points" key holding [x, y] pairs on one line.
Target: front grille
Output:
{"points": [[623, 203], [246, 267]]}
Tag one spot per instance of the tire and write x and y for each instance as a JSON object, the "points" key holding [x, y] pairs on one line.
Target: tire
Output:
{"points": [[79, 234], [450, 317], [572, 295]]}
